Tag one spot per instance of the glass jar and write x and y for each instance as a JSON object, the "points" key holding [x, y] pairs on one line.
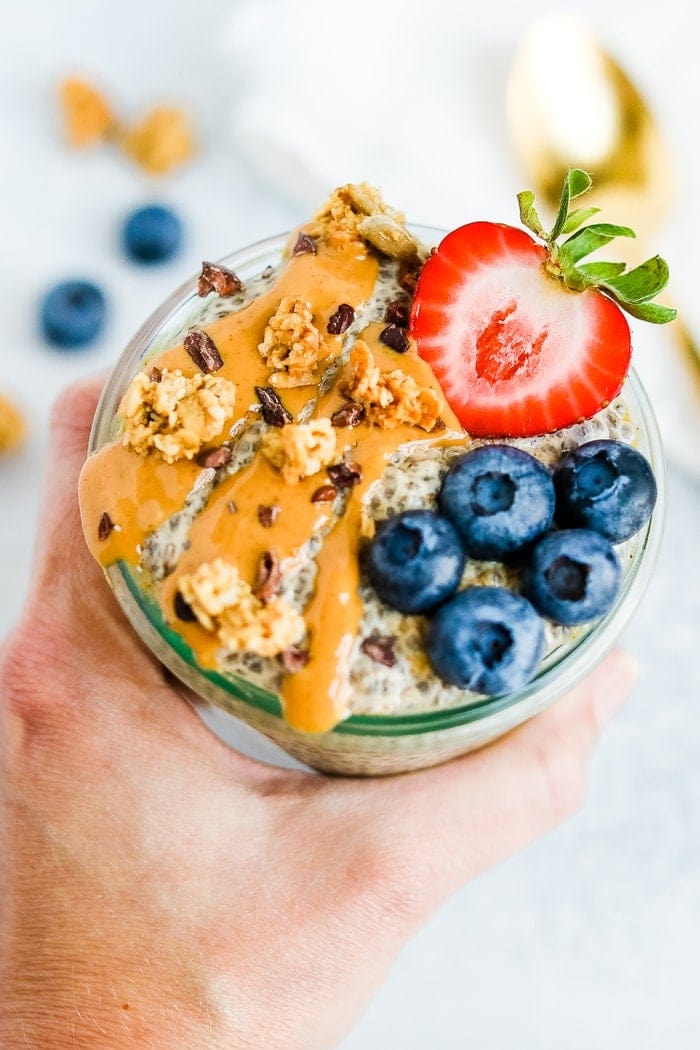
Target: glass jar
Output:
{"points": [[363, 744]]}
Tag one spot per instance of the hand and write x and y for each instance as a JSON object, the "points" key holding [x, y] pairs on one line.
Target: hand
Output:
{"points": [[162, 891]]}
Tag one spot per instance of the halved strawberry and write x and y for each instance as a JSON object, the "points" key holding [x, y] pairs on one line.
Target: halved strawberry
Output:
{"points": [[520, 338]]}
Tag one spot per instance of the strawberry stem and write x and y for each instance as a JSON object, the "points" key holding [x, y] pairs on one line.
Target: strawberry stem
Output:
{"points": [[632, 290]]}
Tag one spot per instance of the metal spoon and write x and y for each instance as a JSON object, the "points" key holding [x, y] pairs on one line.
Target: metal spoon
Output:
{"points": [[595, 119]]}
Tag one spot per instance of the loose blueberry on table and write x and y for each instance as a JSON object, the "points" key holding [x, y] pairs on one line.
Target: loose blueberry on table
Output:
{"points": [[152, 234], [72, 314]]}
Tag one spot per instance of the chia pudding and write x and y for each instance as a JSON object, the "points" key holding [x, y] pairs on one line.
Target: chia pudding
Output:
{"points": [[200, 507]]}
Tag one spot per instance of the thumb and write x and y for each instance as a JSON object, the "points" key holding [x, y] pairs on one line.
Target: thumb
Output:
{"points": [[60, 548]]}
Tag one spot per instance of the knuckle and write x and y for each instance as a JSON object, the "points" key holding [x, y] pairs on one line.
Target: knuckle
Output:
{"points": [[74, 408], [391, 885], [562, 777], [25, 687]]}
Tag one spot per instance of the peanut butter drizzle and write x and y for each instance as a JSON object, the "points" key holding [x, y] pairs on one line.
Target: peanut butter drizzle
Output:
{"points": [[316, 697], [138, 495]]}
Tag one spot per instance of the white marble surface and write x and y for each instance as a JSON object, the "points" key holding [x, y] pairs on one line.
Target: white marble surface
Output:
{"points": [[588, 940]]}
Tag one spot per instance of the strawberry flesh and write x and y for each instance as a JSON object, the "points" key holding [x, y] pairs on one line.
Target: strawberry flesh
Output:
{"points": [[515, 351]]}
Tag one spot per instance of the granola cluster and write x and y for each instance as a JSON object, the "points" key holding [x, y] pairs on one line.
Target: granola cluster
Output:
{"points": [[357, 212], [12, 426], [299, 450], [173, 415], [225, 604], [87, 115], [390, 398], [160, 141], [292, 346]]}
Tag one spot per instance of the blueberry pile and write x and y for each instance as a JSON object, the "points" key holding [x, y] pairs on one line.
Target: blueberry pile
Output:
{"points": [[73, 313], [499, 503]]}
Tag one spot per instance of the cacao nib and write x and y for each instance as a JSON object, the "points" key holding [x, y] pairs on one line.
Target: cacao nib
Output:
{"points": [[268, 577], [271, 408], [341, 320], [394, 338], [324, 494], [294, 659], [344, 475], [380, 648], [105, 527], [215, 457], [397, 312], [268, 514], [183, 611], [304, 245], [202, 349], [219, 279], [350, 415]]}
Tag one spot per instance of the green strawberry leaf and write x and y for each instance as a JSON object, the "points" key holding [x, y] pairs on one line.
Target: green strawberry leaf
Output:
{"points": [[577, 218], [632, 290], [588, 240], [596, 272], [528, 213], [641, 284], [652, 312], [575, 183], [579, 182]]}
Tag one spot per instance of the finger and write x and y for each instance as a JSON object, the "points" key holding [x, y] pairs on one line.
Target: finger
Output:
{"points": [[448, 824], [59, 544]]}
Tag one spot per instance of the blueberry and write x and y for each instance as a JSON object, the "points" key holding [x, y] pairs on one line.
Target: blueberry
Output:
{"points": [[486, 639], [152, 234], [415, 561], [573, 576], [499, 499], [72, 313], [605, 486]]}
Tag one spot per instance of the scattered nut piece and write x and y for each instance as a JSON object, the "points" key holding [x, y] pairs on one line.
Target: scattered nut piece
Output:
{"points": [[231, 507], [341, 320], [12, 426], [350, 415], [357, 212], [380, 648], [162, 140], [177, 415], [390, 398], [304, 245], [155, 375], [219, 279], [88, 118], [300, 450], [271, 408], [225, 605], [268, 514], [292, 345], [203, 350]]}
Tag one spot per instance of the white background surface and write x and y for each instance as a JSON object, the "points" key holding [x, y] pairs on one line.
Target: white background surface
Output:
{"points": [[589, 940]]}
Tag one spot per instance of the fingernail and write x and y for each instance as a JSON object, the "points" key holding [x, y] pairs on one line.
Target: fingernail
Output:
{"points": [[615, 680]]}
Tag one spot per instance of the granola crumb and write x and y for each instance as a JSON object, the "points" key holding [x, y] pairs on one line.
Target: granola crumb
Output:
{"points": [[175, 416], [390, 398], [87, 116], [12, 426], [292, 345], [225, 605], [300, 450], [357, 212], [162, 140]]}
